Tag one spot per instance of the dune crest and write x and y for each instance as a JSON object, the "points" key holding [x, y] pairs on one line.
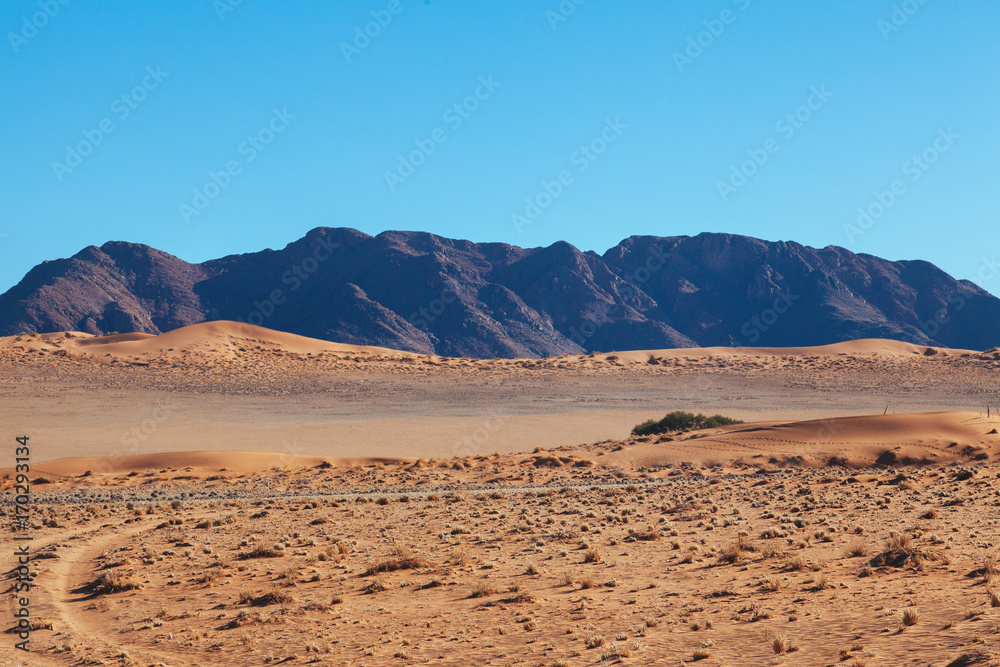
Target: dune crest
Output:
{"points": [[858, 442], [216, 338], [228, 339], [855, 442]]}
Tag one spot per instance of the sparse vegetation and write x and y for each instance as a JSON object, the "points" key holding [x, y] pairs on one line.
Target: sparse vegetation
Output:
{"points": [[681, 421], [402, 558], [264, 599], [523, 584], [113, 581], [483, 589], [263, 551]]}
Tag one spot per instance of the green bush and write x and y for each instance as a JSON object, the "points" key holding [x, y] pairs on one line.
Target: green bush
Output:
{"points": [[681, 421]]}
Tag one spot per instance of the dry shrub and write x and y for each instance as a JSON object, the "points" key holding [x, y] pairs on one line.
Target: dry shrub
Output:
{"points": [[648, 534], [402, 558], [821, 583], [262, 551], [994, 598], [771, 584], [856, 548], [614, 652], [899, 551], [758, 612], [376, 585], [113, 582], [461, 557], [991, 567], [796, 563], [735, 551], [259, 599], [482, 589]]}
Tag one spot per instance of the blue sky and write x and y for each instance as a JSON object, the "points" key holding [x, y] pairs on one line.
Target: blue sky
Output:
{"points": [[236, 126]]}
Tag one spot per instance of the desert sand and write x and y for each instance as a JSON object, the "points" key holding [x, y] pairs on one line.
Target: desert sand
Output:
{"points": [[225, 494], [232, 386]]}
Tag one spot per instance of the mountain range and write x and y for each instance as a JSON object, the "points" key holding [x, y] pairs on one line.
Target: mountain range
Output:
{"points": [[425, 293]]}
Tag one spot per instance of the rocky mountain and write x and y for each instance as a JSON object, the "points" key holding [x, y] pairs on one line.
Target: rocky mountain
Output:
{"points": [[421, 292]]}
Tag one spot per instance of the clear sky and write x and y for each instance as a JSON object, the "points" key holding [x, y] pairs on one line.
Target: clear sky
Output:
{"points": [[210, 128]]}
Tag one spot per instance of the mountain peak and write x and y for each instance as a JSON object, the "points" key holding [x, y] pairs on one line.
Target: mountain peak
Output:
{"points": [[418, 291]]}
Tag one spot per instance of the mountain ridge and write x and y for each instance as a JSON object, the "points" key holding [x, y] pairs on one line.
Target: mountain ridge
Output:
{"points": [[425, 293]]}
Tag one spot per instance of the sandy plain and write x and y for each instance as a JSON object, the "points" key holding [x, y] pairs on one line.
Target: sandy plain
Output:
{"points": [[226, 494]]}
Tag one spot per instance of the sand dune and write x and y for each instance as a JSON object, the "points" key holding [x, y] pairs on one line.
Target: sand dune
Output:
{"points": [[864, 441], [312, 523], [230, 386], [218, 336], [865, 346], [857, 442], [233, 339]]}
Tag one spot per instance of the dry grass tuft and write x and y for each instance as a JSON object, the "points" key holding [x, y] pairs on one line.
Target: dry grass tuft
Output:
{"points": [[899, 550], [483, 589], [735, 551], [113, 581], [262, 551], [376, 585], [259, 599], [402, 558], [856, 548]]}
